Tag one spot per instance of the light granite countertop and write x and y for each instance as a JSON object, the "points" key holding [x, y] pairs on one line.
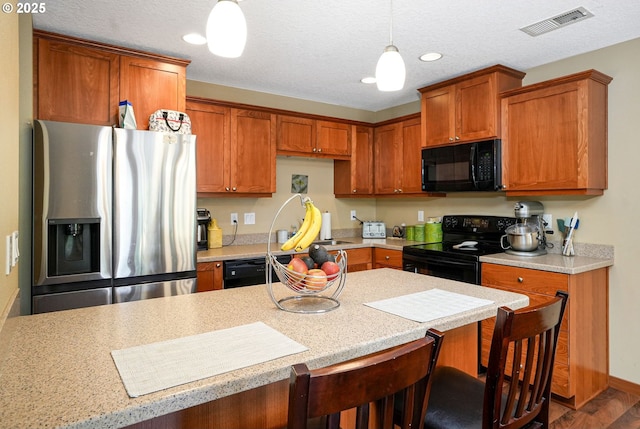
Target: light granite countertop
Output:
{"points": [[554, 262], [596, 256], [56, 370]]}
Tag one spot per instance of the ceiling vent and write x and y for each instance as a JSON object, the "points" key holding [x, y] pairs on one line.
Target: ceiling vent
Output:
{"points": [[556, 22]]}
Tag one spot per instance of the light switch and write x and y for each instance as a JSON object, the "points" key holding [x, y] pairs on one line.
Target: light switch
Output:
{"points": [[249, 218], [15, 249], [7, 270]]}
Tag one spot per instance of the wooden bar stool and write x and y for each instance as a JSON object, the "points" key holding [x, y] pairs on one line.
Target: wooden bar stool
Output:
{"points": [[369, 383], [517, 390]]}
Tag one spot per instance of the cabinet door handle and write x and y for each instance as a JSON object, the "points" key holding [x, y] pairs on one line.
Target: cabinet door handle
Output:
{"points": [[235, 189], [457, 138], [387, 257], [218, 265], [450, 139], [520, 280], [227, 189], [354, 191], [314, 149], [319, 149]]}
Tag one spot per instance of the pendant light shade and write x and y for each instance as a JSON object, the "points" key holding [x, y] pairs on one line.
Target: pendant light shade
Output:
{"points": [[390, 70], [226, 29]]}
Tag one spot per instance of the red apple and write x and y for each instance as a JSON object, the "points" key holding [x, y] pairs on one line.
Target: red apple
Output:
{"points": [[332, 269], [316, 279], [297, 270], [298, 265]]}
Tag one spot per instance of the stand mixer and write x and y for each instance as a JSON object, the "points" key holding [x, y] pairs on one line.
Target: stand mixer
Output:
{"points": [[527, 237]]}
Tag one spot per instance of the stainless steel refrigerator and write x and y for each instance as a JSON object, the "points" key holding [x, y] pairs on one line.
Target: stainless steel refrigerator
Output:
{"points": [[114, 215]]}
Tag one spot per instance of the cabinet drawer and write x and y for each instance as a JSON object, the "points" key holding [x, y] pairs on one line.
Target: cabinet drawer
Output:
{"points": [[524, 279], [387, 258]]}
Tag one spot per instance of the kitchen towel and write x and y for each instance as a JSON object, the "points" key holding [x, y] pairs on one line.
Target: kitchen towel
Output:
{"points": [[325, 229], [152, 367], [429, 305]]}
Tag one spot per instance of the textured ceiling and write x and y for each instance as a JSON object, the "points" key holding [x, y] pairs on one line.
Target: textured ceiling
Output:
{"points": [[319, 50]]}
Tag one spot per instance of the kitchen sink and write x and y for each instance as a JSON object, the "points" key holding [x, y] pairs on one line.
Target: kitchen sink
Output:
{"points": [[331, 242]]}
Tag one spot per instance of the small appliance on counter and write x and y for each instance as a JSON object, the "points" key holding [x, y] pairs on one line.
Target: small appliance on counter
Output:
{"points": [[373, 229], [204, 218], [526, 237]]}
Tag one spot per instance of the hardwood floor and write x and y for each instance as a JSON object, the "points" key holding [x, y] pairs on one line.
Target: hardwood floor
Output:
{"points": [[612, 409]]}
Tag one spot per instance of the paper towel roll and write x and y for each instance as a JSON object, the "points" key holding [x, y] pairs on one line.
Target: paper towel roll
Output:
{"points": [[325, 229]]}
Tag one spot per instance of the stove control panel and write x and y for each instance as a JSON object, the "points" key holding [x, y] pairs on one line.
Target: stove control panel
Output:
{"points": [[476, 224]]}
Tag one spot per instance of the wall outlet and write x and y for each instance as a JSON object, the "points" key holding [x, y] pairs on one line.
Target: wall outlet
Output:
{"points": [[249, 218], [234, 218], [547, 220], [353, 215], [420, 215]]}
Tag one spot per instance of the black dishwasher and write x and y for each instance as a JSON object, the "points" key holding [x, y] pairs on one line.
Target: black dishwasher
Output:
{"points": [[248, 272]]}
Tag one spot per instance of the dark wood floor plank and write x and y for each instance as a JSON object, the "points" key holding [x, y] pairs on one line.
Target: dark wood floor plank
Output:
{"points": [[612, 409], [629, 420]]}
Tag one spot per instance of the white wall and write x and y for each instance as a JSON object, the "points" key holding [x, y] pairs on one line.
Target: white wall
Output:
{"points": [[9, 147]]}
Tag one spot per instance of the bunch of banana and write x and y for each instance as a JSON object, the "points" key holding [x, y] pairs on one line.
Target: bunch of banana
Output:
{"points": [[308, 230]]}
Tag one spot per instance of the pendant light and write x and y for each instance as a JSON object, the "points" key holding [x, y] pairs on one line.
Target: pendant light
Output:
{"points": [[390, 70], [226, 29]]}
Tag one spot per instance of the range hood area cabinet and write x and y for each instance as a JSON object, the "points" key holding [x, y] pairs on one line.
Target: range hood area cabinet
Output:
{"points": [[466, 108], [354, 178], [320, 138], [554, 138], [82, 81], [236, 151]]}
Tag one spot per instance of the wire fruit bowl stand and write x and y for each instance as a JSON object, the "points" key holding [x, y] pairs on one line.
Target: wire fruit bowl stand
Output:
{"points": [[311, 293]]}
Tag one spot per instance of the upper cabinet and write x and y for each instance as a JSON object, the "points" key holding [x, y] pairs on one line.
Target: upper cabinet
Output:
{"points": [[466, 108], [398, 159], [555, 136], [235, 151], [303, 136], [354, 178], [151, 85], [81, 81]]}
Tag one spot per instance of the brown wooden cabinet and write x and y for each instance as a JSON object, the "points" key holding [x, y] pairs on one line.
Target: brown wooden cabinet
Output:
{"points": [[397, 158], [151, 85], [466, 108], [236, 149], [387, 258], [582, 356], [555, 136], [359, 259], [77, 80], [210, 276], [354, 178], [302, 136]]}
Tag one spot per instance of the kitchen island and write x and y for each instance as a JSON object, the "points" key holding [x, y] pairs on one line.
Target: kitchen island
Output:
{"points": [[56, 369]]}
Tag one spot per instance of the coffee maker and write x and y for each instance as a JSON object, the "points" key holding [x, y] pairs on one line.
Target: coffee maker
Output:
{"points": [[527, 236], [204, 218]]}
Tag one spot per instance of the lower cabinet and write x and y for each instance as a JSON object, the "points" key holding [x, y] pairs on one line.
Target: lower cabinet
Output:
{"points": [[387, 258], [582, 356], [358, 259], [210, 276]]}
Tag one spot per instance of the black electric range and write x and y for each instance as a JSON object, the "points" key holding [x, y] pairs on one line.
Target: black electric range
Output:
{"points": [[451, 258]]}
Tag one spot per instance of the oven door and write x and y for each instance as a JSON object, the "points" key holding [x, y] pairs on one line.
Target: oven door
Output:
{"points": [[443, 267]]}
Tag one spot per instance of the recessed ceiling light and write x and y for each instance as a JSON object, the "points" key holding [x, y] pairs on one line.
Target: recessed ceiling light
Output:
{"points": [[194, 39], [431, 56], [368, 80]]}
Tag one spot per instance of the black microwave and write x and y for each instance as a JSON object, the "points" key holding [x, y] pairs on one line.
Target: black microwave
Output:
{"points": [[464, 167]]}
